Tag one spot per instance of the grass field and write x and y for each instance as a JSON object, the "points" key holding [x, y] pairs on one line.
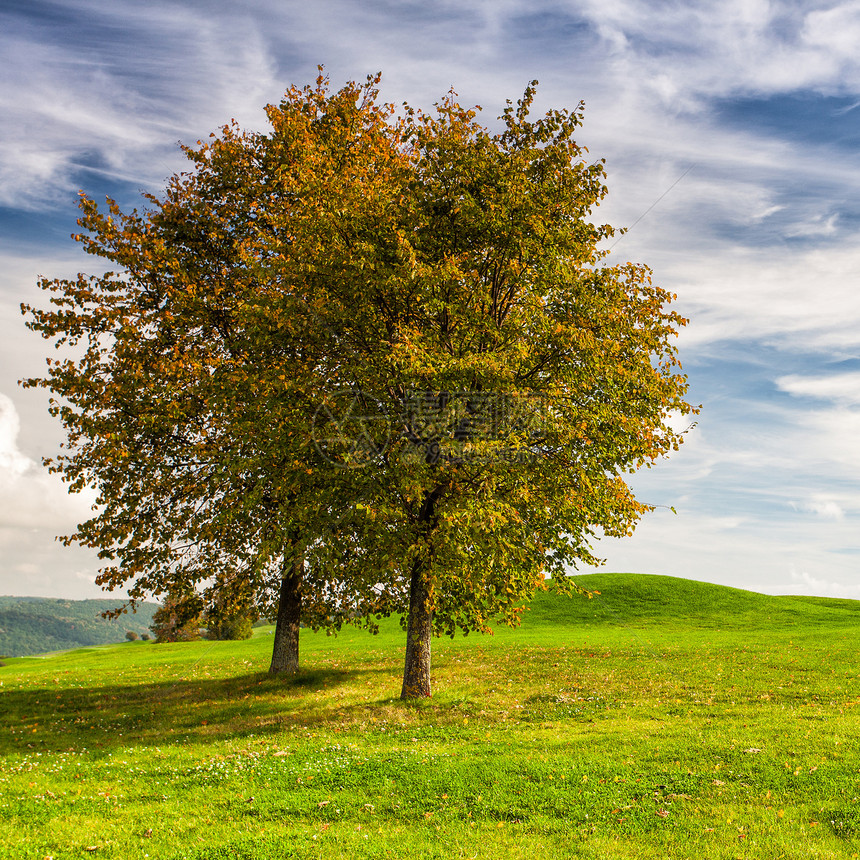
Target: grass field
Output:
{"points": [[662, 719]]}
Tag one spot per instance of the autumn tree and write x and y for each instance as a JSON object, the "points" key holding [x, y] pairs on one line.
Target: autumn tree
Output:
{"points": [[197, 377], [233, 625], [524, 378], [363, 364]]}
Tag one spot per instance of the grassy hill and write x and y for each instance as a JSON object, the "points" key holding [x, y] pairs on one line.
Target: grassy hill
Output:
{"points": [[34, 625], [636, 599], [663, 718]]}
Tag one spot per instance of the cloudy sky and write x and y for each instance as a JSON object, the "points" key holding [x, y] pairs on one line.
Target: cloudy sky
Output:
{"points": [[731, 134]]}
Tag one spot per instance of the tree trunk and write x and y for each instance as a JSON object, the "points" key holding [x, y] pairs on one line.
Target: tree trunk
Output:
{"points": [[285, 651], [419, 635], [419, 625]]}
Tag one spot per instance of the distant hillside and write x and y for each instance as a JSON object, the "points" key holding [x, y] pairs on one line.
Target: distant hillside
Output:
{"points": [[33, 625]]}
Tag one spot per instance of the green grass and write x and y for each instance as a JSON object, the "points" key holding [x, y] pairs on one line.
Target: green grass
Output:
{"points": [[662, 719]]}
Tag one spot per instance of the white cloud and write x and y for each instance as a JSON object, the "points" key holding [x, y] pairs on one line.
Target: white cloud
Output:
{"points": [[822, 506], [13, 464], [805, 297], [30, 497], [766, 211], [832, 437], [818, 225], [835, 30], [35, 507], [806, 583], [843, 388]]}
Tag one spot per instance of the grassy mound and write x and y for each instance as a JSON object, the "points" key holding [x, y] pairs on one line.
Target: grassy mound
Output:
{"points": [[637, 599]]}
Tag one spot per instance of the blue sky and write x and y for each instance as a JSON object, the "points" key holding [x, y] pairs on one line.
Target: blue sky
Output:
{"points": [[739, 120]]}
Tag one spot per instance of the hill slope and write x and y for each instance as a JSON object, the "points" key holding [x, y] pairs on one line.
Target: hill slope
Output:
{"points": [[630, 599], [33, 625]]}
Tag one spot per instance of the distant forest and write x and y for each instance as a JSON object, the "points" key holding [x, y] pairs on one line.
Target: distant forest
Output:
{"points": [[33, 625]]}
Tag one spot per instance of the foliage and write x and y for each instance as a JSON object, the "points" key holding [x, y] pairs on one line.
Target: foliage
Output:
{"points": [[363, 365], [523, 377], [235, 625], [178, 619], [650, 721], [34, 625], [230, 610], [131, 636]]}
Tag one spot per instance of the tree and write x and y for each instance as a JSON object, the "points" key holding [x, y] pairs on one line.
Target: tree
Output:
{"points": [[526, 377], [178, 619], [229, 627], [190, 402], [131, 636], [227, 617], [364, 365]]}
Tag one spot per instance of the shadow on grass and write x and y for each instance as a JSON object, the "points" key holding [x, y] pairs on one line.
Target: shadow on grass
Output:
{"points": [[190, 711]]}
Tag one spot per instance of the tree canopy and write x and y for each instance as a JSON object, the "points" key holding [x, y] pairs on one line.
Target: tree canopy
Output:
{"points": [[366, 363]]}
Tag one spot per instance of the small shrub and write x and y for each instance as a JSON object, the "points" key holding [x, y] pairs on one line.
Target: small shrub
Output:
{"points": [[131, 636], [235, 626], [145, 637], [178, 620]]}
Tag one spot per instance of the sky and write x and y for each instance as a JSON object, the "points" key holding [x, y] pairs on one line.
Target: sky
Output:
{"points": [[730, 131]]}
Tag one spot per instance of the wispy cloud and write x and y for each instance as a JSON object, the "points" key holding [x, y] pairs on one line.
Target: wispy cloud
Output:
{"points": [[843, 388], [113, 87]]}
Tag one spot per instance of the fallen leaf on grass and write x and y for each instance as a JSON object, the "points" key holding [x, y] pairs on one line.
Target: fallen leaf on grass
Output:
{"points": [[662, 813]]}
